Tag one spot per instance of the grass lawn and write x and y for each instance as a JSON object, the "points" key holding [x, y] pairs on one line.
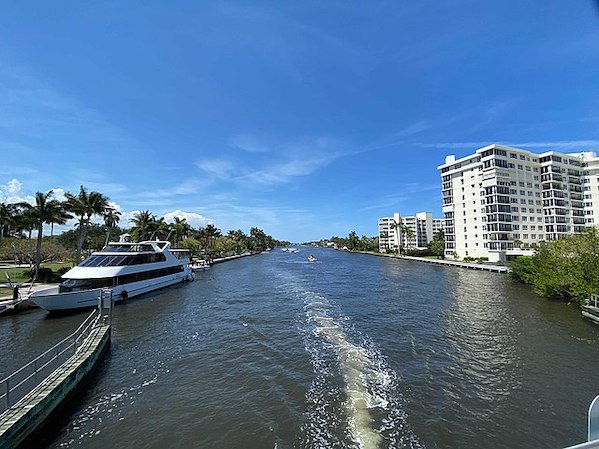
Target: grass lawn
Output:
{"points": [[18, 275], [5, 292]]}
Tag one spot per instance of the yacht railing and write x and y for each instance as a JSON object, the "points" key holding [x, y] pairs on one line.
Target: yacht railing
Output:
{"points": [[16, 386]]}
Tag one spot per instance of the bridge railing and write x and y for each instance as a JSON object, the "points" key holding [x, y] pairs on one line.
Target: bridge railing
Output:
{"points": [[17, 385]]}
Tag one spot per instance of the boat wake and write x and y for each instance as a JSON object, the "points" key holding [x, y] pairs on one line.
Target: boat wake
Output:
{"points": [[354, 399]]}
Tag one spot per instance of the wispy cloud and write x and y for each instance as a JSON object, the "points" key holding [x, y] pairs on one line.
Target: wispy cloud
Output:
{"points": [[285, 43], [396, 201], [562, 145], [399, 136], [248, 143], [188, 187], [217, 168], [284, 172], [285, 163], [107, 188], [36, 118], [558, 145]]}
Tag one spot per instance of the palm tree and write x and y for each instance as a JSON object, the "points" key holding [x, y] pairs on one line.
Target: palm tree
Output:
{"points": [[85, 205], [142, 222], [240, 238], [8, 212], [111, 219], [160, 229], [43, 212], [180, 230], [58, 215], [211, 232], [258, 238], [24, 221], [397, 227], [409, 234]]}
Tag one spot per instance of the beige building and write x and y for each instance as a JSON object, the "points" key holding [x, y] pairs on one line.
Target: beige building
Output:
{"points": [[501, 200]]}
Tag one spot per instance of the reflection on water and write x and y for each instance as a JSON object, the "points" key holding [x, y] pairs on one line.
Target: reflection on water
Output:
{"points": [[351, 352], [483, 338]]}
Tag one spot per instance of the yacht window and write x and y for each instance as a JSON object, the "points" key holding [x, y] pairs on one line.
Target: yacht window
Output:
{"points": [[72, 285]]}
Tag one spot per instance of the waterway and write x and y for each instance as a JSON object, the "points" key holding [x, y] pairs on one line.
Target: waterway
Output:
{"points": [[352, 351]]}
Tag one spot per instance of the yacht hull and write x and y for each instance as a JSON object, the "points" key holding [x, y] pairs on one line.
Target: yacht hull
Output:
{"points": [[52, 300]]}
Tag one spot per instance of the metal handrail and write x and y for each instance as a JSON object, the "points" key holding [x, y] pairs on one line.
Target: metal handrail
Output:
{"points": [[10, 387], [586, 445]]}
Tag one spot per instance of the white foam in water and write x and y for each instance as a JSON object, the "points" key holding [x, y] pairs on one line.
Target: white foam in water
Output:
{"points": [[370, 387]]}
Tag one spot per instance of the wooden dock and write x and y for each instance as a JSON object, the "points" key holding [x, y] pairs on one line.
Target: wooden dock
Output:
{"points": [[20, 420]]}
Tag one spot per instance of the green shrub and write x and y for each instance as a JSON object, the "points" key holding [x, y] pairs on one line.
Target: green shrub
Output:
{"points": [[45, 274]]}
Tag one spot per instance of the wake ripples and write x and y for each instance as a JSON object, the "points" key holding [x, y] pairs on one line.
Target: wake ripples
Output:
{"points": [[353, 400]]}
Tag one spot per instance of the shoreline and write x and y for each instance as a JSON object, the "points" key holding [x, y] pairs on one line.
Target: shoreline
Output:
{"points": [[454, 263]]}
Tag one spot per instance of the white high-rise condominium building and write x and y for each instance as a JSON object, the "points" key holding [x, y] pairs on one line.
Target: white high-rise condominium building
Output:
{"points": [[417, 231], [501, 198], [437, 225]]}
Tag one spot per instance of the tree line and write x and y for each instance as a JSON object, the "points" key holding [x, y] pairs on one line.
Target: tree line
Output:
{"points": [[19, 220], [567, 268]]}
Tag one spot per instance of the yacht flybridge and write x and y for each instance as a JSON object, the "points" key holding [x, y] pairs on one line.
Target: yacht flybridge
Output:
{"points": [[128, 269]]}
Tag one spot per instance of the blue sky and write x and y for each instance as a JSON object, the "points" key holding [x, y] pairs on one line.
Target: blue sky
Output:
{"points": [[306, 119]]}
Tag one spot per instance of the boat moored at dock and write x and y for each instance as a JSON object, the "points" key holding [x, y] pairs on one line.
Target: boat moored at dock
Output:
{"points": [[200, 265], [590, 309], [127, 269]]}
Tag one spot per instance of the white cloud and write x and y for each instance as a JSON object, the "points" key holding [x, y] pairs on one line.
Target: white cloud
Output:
{"points": [[12, 192], [284, 172], [195, 220]]}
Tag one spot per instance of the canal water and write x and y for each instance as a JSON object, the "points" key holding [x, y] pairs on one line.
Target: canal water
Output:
{"points": [[351, 351]]}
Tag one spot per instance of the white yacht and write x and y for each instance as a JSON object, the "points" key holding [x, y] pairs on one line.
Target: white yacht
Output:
{"points": [[128, 269]]}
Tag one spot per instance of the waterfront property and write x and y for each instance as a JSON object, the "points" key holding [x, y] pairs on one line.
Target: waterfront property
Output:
{"points": [[327, 354], [500, 201], [409, 232]]}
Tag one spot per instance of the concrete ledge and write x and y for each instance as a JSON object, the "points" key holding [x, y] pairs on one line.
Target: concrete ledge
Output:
{"points": [[453, 263], [26, 416]]}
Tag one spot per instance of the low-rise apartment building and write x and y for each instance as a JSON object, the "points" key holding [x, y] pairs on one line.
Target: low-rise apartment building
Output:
{"points": [[390, 234], [502, 198]]}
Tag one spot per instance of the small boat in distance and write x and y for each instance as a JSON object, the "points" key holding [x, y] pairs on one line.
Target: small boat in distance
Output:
{"points": [[590, 309], [127, 269], [311, 258], [200, 265]]}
